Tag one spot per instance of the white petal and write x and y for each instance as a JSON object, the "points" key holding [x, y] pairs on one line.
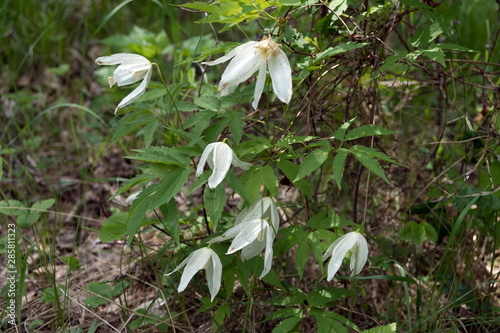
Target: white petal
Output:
{"points": [[338, 252], [222, 157], [136, 93], [248, 233], [214, 274], [241, 67], [259, 85], [239, 163], [119, 58], [281, 75], [253, 249], [203, 160], [230, 233], [268, 257], [230, 54], [130, 73], [359, 257], [197, 260]]}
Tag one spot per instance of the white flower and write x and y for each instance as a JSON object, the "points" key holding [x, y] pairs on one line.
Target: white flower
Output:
{"points": [[253, 56], [352, 241], [204, 258], [219, 157], [254, 229], [133, 67]]}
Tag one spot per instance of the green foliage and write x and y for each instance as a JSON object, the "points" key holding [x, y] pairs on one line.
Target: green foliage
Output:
{"points": [[25, 216], [103, 292]]}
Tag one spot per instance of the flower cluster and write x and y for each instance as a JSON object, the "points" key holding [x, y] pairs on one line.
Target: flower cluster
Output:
{"points": [[256, 226]]}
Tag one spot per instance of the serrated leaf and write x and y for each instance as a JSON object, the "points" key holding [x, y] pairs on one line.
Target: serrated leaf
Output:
{"points": [[203, 6], [164, 155], [367, 130], [312, 162], [213, 131], [339, 165], [131, 122], [153, 196], [236, 125], [289, 238], [114, 227], [321, 295], [291, 170], [237, 186], [340, 132], [170, 220], [301, 256], [269, 179], [390, 328], [283, 313], [72, 262], [214, 201], [436, 54], [374, 153], [370, 163], [331, 51], [287, 325]]}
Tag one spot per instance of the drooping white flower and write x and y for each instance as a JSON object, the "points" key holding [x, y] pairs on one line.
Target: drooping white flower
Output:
{"points": [[133, 67], [246, 59], [352, 241], [204, 258], [219, 157], [254, 230]]}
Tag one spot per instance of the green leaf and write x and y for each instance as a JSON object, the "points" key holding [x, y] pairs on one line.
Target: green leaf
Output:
{"points": [[338, 165], [291, 170], [374, 153], [390, 328], [301, 256], [171, 220], [284, 313], [340, 132], [290, 237], [72, 262], [312, 162], [269, 179], [214, 130], [416, 4], [104, 292], [131, 122], [164, 155], [114, 227], [330, 322], [287, 325], [155, 195], [12, 208], [49, 295], [331, 51], [369, 162], [295, 297], [31, 216], [214, 201], [237, 186], [367, 130], [436, 54], [322, 295], [236, 123]]}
